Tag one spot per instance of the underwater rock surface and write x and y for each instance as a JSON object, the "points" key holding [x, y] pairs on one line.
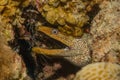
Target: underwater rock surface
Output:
{"points": [[105, 31], [11, 64]]}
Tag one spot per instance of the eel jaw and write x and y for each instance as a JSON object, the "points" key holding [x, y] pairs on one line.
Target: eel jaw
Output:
{"points": [[59, 37], [51, 52]]}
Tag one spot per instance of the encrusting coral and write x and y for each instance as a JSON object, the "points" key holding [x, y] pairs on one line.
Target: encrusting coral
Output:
{"points": [[8, 10], [99, 71], [12, 66], [10, 7], [68, 15]]}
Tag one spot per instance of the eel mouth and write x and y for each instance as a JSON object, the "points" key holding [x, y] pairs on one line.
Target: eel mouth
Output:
{"points": [[52, 43], [47, 42]]}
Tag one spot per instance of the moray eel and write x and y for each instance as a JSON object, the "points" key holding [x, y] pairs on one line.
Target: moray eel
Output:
{"points": [[77, 50]]}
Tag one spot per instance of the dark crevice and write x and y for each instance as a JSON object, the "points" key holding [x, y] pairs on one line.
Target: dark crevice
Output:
{"points": [[25, 52], [93, 12]]}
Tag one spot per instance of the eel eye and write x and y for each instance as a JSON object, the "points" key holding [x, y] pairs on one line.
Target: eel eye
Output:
{"points": [[54, 31]]}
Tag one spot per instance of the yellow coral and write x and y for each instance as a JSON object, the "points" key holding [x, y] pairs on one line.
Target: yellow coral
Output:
{"points": [[6, 28], [63, 12], [3, 2], [99, 71], [51, 16], [1, 8]]}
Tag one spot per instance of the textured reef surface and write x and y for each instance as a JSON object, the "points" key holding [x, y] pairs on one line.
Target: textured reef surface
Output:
{"points": [[68, 15], [105, 31], [55, 39], [99, 71]]}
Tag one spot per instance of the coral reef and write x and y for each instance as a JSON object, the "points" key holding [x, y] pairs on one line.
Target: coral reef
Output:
{"points": [[9, 9], [105, 31], [68, 15], [37, 28], [11, 64], [6, 29], [99, 71]]}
